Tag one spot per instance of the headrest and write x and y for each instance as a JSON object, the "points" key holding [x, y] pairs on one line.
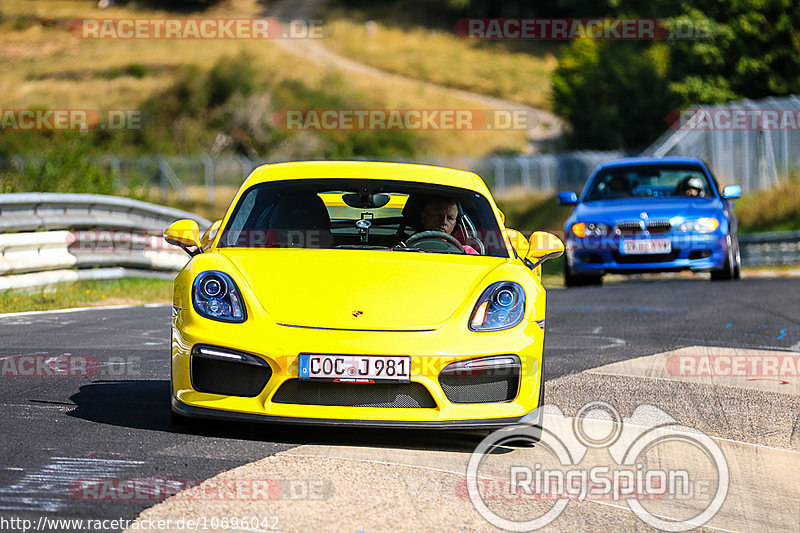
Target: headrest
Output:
{"points": [[300, 210]]}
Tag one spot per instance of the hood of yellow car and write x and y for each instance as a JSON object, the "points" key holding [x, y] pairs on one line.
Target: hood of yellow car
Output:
{"points": [[360, 289]]}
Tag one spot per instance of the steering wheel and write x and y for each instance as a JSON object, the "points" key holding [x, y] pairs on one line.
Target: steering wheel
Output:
{"points": [[450, 241]]}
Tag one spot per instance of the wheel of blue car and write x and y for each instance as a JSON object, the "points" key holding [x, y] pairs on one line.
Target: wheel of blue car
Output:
{"points": [[737, 265], [576, 280], [730, 269], [435, 241]]}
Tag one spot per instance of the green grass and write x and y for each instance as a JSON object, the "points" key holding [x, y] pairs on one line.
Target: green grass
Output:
{"points": [[127, 291]]}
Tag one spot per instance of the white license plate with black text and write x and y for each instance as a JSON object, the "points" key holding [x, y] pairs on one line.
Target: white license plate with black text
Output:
{"points": [[355, 368], [646, 246]]}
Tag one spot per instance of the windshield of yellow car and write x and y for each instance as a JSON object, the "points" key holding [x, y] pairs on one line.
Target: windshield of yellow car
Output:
{"points": [[362, 214]]}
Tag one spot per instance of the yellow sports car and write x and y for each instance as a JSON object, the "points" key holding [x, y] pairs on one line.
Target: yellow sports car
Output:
{"points": [[368, 294]]}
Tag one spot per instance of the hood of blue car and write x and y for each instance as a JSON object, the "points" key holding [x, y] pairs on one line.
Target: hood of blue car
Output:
{"points": [[610, 211]]}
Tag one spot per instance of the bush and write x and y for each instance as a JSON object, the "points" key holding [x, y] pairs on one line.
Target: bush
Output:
{"points": [[67, 166], [231, 107]]}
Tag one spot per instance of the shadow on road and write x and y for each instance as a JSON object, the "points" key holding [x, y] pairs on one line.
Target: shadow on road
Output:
{"points": [[144, 404]]}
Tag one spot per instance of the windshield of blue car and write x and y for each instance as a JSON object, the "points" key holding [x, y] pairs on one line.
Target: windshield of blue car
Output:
{"points": [[362, 214], [649, 181]]}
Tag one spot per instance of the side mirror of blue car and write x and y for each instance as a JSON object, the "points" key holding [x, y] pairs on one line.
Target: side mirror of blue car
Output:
{"points": [[732, 191], [567, 198]]}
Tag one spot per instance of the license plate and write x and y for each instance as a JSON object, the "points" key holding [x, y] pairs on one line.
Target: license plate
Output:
{"points": [[646, 246], [355, 368]]}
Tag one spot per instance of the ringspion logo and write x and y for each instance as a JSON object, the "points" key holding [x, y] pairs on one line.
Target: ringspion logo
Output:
{"points": [[598, 455]]}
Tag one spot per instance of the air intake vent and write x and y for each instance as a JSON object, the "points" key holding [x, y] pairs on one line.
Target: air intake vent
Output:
{"points": [[487, 380], [635, 259], [219, 371], [401, 395]]}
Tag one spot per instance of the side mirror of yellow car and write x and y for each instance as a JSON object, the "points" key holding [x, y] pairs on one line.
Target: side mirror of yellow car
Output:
{"points": [[543, 246], [518, 241], [210, 234], [184, 233]]}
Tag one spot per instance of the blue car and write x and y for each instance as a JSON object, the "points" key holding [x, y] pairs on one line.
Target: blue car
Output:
{"points": [[651, 215]]}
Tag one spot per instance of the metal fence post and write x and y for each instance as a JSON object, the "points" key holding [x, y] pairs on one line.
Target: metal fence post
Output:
{"points": [[525, 173], [209, 168], [499, 175]]}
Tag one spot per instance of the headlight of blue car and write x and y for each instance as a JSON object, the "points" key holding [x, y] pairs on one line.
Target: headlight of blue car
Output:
{"points": [[501, 306], [589, 229], [700, 225], [215, 296]]}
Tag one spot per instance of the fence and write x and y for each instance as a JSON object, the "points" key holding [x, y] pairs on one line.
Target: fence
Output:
{"points": [[47, 238], [199, 176], [546, 173], [759, 151]]}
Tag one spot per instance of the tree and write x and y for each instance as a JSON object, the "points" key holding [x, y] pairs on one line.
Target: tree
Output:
{"points": [[613, 94], [617, 94]]}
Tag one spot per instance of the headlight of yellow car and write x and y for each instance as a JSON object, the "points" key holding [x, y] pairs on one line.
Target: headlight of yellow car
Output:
{"points": [[501, 306], [216, 296]]}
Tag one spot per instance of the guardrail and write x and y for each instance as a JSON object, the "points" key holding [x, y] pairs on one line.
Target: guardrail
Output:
{"points": [[50, 237], [770, 249]]}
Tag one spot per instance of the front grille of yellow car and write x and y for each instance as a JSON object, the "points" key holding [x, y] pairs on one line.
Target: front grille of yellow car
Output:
{"points": [[487, 380], [401, 395], [221, 371]]}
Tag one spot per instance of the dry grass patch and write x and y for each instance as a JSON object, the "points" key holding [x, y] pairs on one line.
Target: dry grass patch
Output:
{"points": [[441, 57], [44, 66], [774, 210]]}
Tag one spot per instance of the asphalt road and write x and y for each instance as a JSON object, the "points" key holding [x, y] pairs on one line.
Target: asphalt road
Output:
{"points": [[113, 423]]}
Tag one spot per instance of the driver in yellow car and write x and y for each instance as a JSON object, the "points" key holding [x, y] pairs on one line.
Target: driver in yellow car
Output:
{"points": [[441, 214]]}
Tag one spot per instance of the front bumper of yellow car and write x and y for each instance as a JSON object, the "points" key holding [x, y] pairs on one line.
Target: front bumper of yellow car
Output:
{"points": [[253, 375]]}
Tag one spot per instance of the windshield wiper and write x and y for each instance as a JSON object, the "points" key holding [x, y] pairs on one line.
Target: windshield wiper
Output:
{"points": [[402, 249]]}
